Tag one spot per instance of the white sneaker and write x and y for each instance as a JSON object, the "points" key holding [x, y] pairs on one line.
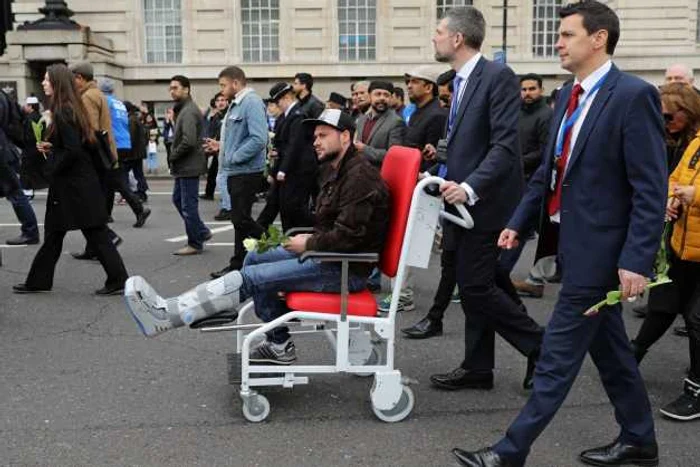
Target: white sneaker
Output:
{"points": [[149, 310]]}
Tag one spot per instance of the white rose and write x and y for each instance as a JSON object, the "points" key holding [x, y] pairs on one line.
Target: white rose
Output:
{"points": [[250, 244]]}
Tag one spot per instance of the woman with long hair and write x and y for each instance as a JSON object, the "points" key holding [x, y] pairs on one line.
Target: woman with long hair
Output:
{"points": [[75, 200], [681, 109]]}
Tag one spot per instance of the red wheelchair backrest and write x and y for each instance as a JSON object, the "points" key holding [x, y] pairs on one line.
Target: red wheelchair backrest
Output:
{"points": [[400, 172]]}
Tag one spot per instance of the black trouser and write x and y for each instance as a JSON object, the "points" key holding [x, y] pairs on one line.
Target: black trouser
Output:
{"points": [[116, 181], [448, 281], [243, 190], [43, 267], [211, 176], [295, 199], [488, 301], [136, 166], [686, 281], [272, 207]]}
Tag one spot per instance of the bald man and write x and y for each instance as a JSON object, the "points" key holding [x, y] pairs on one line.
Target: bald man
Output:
{"points": [[679, 73]]}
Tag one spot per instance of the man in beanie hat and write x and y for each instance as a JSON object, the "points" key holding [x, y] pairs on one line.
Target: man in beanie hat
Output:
{"points": [[381, 127], [352, 217]]}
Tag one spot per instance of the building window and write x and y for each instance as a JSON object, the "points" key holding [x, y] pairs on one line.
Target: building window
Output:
{"points": [[261, 30], [545, 27], [163, 31], [357, 21], [443, 6]]}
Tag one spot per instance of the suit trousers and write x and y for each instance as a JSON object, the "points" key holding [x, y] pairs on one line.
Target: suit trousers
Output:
{"points": [[243, 189], [41, 274], [295, 201], [272, 207], [568, 337], [212, 172], [485, 304]]}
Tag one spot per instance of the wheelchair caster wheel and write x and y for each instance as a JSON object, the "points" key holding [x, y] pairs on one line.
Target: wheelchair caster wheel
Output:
{"points": [[256, 408], [373, 359], [400, 411]]}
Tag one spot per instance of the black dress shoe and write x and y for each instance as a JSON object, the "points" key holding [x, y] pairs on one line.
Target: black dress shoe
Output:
{"points": [[22, 240], [141, 218], [482, 458], [680, 331], [463, 379], [207, 197], [84, 255], [619, 453], [220, 273], [116, 241], [24, 288], [423, 329], [117, 289], [530, 371]]}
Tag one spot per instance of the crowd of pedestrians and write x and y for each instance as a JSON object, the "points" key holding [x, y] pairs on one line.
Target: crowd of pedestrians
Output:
{"points": [[529, 167]]}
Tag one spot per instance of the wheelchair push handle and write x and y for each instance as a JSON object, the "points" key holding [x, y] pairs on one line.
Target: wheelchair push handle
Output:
{"points": [[464, 219]]}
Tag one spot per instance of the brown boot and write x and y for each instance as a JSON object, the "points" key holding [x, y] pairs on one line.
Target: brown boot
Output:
{"points": [[528, 290]]}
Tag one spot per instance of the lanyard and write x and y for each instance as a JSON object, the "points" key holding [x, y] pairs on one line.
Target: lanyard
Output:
{"points": [[571, 121]]}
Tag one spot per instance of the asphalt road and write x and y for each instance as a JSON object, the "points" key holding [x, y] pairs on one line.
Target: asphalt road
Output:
{"points": [[79, 386]]}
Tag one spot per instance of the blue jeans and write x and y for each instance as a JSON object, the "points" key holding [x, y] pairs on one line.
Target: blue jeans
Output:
{"points": [[266, 274], [224, 197], [186, 201], [25, 213]]}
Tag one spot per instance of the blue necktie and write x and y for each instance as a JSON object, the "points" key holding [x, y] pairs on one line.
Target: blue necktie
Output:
{"points": [[456, 83]]}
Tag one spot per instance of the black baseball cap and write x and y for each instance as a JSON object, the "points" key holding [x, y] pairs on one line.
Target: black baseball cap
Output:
{"points": [[335, 118]]}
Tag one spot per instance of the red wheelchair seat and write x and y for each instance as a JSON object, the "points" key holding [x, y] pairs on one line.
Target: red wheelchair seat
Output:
{"points": [[359, 303], [400, 172]]}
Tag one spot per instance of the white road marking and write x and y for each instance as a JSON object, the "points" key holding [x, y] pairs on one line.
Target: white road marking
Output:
{"points": [[219, 244], [213, 231], [14, 246]]}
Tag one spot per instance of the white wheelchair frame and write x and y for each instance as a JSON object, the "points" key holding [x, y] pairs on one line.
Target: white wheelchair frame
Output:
{"points": [[357, 349]]}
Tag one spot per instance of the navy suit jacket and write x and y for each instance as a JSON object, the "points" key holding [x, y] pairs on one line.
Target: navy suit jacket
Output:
{"points": [[615, 187], [483, 149]]}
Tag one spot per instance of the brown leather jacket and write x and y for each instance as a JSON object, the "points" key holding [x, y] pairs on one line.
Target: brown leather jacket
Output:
{"points": [[97, 109], [352, 211]]}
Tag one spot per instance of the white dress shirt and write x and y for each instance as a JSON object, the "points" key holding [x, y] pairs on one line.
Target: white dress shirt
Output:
{"points": [[586, 84]]}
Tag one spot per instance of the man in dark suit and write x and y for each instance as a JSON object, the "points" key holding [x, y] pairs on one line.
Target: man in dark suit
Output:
{"points": [[381, 127], [484, 171], [603, 178]]}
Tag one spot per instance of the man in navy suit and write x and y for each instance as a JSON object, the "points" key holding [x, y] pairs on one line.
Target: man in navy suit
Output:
{"points": [[484, 170], [603, 179]]}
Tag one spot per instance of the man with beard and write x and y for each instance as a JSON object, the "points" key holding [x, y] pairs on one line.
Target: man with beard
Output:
{"points": [[483, 171], [310, 105], [381, 127], [533, 129], [242, 150], [352, 217]]}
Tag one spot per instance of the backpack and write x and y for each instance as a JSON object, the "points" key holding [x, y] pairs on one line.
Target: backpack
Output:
{"points": [[14, 121]]}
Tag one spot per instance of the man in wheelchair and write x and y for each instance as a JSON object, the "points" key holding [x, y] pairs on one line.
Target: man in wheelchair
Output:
{"points": [[352, 216]]}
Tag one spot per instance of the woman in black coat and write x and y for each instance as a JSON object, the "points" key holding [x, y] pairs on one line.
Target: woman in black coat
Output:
{"points": [[75, 200]]}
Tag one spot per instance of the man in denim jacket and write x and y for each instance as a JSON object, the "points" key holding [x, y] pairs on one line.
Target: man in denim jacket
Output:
{"points": [[241, 157]]}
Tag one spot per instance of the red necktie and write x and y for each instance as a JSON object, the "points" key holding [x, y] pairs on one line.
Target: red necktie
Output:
{"points": [[555, 199]]}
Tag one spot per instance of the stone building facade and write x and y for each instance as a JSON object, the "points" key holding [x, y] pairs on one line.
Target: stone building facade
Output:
{"points": [[141, 43]]}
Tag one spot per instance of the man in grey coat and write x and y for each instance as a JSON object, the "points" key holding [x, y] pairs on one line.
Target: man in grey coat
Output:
{"points": [[381, 127], [187, 162]]}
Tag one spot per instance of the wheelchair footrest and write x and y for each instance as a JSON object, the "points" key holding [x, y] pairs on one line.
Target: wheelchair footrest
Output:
{"points": [[234, 370], [225, 317]]}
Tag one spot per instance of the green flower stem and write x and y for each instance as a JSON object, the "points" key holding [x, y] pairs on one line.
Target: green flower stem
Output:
{"points": [[615, 296]]}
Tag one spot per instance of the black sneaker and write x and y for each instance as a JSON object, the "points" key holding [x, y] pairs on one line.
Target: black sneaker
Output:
{"points": [[267, 352], [687, 406], [223, 215]]}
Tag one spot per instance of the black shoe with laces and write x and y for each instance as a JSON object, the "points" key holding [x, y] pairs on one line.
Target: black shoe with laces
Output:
{"points": [[687, 406]]}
